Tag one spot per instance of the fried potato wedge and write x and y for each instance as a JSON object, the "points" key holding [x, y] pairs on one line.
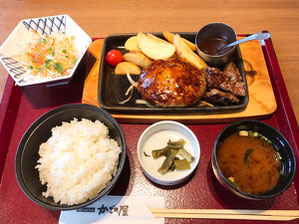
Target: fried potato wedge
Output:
{"points": [[169, 36], [156, 38], [185, 53], [137, 58], [124, 67], [131, 44], [154, 47]]}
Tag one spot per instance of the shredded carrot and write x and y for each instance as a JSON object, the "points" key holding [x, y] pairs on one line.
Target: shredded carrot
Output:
{"points": [[49, 56]]}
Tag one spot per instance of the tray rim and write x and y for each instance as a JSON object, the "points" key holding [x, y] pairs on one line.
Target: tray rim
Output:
{"points": [[128, 110]]}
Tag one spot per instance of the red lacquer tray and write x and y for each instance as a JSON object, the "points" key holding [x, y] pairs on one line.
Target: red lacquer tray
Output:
{"points": [[22, 106]]}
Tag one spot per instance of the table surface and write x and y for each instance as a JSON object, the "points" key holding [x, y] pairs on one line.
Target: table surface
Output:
{"points": [[101, 18]]}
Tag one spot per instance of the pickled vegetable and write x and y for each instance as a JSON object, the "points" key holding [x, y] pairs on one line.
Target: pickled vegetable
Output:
{"points": [[145, 154], [160, 152], [172, 162], [181, 164], [176, 144], [184, 153], [172, 167], [168, 161]]}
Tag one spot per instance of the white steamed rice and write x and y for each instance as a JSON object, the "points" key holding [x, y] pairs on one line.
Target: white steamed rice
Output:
{"points": [[78, 161]]}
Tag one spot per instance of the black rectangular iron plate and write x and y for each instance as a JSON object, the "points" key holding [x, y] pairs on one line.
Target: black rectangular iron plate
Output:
{"points": [[112, 88]]}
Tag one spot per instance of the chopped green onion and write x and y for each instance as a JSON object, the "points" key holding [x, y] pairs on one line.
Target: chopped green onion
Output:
{"points": [[58, 67], [277, 155], [64, 51], [75, 60], [50, 49], [43, 41], [47, 63], [232, 181], [30, 67], [235, 184], [39, 69], [67, 57], [250, 133]]}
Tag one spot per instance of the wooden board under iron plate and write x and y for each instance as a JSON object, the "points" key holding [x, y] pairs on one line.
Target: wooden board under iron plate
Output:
{"points": [[261, 97]]}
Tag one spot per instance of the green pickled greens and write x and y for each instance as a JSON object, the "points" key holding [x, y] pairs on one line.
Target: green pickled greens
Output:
{"points": [[160, 152], [167, 162], [182, 164], [171, 162]]}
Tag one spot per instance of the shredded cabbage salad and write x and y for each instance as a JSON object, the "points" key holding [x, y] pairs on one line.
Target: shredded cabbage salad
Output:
{"points": [[48, 56]]}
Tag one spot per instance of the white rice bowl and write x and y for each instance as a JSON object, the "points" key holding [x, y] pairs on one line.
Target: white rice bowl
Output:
{"points": [[77, 161]]}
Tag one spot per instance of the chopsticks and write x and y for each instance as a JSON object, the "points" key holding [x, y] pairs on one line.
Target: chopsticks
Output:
{"points": [[241, 214]]}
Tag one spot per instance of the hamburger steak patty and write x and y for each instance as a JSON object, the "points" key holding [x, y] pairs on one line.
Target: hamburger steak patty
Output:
{"points": [[171, 83]]}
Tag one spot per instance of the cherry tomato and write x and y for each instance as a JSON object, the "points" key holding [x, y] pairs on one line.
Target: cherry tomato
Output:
{"points": [[113, 57]]}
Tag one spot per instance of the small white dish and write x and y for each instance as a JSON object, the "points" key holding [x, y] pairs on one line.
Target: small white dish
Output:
{"points": [[156, 136], [44, 26]]}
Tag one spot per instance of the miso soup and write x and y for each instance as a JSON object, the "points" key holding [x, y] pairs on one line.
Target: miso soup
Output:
{"points": [[251, 163]]}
